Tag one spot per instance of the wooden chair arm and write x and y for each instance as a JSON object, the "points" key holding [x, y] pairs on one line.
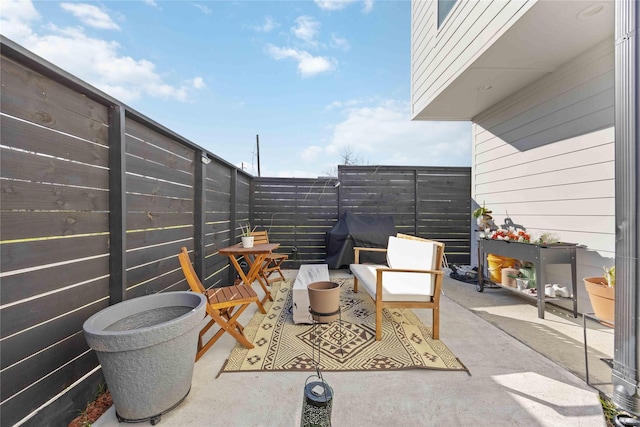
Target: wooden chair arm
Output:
{"points": [[405, 270], [358, 249], [437, 285]]}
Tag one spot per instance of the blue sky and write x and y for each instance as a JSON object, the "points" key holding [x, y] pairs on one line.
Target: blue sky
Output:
{"points": [[315, 79]]}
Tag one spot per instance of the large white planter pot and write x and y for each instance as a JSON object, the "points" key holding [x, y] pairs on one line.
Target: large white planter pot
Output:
{"points": [[147, 348]]}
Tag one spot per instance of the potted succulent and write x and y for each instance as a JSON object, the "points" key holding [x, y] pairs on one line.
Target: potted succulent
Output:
{"points": [[602, 294], [246, 237], [483, 217]]}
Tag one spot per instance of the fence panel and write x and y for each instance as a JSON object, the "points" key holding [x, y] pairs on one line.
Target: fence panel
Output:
{"points": [[218, 222], [431, 202], [444, 203], [54, 270], [160, 175], [297, 213]]}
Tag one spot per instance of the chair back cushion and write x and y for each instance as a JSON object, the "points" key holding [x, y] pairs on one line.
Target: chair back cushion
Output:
{"points": [[412, 255]]}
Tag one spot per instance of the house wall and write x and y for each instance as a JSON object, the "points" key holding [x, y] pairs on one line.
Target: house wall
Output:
{"points": [[438, 56], [545, 156]]}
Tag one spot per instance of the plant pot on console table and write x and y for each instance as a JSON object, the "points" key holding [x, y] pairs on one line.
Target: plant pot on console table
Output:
{"points": [[540, 255]]}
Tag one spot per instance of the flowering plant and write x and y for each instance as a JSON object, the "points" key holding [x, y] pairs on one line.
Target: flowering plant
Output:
{"points": [[509, 234]]}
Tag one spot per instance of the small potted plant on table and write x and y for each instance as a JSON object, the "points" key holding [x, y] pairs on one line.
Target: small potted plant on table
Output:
{"points": [[246, 237]]}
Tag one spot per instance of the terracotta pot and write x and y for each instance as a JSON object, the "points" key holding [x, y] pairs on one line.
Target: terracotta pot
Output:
{"points": [[603, 299], [324, 298]]}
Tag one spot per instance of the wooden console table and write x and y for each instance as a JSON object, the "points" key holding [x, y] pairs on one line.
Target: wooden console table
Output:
{"points": [[539, 256]]}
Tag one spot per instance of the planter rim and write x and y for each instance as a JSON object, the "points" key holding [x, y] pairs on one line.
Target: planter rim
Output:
{"points": [[597, 280], [323, 286], [95, 326]]}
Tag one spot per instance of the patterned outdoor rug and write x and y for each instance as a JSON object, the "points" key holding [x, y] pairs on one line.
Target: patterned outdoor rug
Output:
{"points": [[346, 345]]}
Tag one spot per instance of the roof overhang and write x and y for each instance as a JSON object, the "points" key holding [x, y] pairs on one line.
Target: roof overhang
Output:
{"points": [[547, 36]]}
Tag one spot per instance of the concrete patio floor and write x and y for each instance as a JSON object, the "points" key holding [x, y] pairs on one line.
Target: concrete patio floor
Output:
{"points": [[524, 371]]}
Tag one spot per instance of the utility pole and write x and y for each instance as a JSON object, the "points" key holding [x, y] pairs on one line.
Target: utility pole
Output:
{"points": [[258, 152]]}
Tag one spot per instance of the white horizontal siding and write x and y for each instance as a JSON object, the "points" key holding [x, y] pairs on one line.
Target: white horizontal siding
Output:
{"points": [[545, 157], [538, 161], [440, 55]]}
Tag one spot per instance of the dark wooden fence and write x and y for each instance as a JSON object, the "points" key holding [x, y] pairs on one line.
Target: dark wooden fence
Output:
{"points": [[297, 213], [97, 200], [430, 202]]}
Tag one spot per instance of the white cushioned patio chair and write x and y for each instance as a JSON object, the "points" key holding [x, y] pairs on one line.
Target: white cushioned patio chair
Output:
{"points": [[412, 277]]}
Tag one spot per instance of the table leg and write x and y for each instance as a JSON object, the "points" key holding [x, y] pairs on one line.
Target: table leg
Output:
{"points": [[586, 357], [480, 285], [236, 265], [540, 282], [255, 264], [574, 284]]}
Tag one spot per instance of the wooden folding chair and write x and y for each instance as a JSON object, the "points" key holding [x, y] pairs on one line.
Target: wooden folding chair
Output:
{"points": [[222, 302], [272, 262]]}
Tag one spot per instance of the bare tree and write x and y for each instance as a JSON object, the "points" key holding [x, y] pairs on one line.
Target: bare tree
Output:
{"points": [[348, 157]]}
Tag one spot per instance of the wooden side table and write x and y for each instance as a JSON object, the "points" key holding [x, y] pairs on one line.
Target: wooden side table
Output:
{"points": [[254, 256]]}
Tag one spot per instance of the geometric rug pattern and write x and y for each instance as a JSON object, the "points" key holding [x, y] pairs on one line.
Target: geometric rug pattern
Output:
{"points": [[347, 344]]}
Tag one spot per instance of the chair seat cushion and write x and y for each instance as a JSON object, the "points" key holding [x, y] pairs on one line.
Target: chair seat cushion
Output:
{"points": [[395, 286]]}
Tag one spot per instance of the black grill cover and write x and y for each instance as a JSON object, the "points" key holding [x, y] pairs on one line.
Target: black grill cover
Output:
{"points": [[369, 231]]}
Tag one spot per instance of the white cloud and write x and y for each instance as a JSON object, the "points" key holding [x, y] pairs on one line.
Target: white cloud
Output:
{"points": [[341, 4], [370, 131], [151, 3], [198, 83], [268, 25], [100, 63], [15, 18], [333, 4], [203, 8], [339, 43], [90, 15], [367, 6], [308, 65], [349, 103], [306, 28], [311, 153]]}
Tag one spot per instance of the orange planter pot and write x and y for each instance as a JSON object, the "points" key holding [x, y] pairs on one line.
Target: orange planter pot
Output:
{"points": [[603, 299]]}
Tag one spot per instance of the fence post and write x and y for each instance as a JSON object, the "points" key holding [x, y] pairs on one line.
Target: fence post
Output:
{"points": [[117, 206], [233, 193], [199, 213]]}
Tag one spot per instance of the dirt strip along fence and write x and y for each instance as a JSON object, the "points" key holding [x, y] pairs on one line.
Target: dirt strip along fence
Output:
{"points": [[97, 200]]}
